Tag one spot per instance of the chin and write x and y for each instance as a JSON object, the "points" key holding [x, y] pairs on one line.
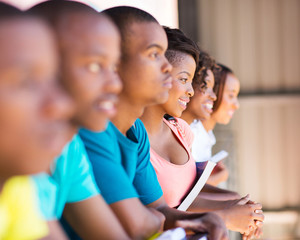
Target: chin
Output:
{"points": [[99, 127]]}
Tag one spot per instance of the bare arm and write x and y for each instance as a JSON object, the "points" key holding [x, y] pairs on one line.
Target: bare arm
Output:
{"points": [[55, 231], [218, 175], [216, 193], [93, 219], [239, 215], [196, 222], [138, 221]]}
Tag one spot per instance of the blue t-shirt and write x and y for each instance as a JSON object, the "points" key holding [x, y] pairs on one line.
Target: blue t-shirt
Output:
{"points": [[121, 164], [72, 180]]}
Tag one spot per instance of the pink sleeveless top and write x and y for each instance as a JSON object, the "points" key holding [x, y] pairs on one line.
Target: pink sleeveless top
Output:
{"points": [[176, 180]]}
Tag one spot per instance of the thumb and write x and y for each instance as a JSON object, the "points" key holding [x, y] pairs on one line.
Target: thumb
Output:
{"points": [[244, 200]]}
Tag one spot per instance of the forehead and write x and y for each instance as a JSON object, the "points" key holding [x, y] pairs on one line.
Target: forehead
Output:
{"points": [[142, 35], [82, 31], [232, 83], [184, 61], [23, 39], [209, 78]]}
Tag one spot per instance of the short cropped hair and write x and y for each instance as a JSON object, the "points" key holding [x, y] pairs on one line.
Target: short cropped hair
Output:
{"points": [[178, 42], [50, 10], [7, 10], [123, 17]]}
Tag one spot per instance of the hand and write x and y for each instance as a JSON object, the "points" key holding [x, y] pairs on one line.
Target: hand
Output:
{"points": [[218, 175], [243, 215], [209, 222]]}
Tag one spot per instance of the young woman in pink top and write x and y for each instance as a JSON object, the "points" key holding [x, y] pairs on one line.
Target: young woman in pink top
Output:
{"points": [[171, 138]]}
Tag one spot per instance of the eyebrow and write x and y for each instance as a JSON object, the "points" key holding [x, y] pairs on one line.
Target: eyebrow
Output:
{"points": [[184, 72], [155, 45]]}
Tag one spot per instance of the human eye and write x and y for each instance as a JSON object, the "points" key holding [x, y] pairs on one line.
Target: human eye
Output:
{"points": [[184, 80], [154, 54], [94, 67]]}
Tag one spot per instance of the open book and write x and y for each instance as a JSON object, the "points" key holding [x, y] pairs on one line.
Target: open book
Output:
{"points": [[211, 163]]}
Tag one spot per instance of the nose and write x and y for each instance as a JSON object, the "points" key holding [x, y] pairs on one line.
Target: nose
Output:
{"points": [[166, 66], [112, 82], [212, 95], [236, 104], [190, 90], [56, 103]]}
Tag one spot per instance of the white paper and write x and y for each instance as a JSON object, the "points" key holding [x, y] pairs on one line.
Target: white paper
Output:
{"points": [[211, 163]]}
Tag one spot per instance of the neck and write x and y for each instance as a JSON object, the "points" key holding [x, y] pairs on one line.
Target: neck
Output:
{"points": [[127, 113], [153, 119], [209, 124], [188, 117]]}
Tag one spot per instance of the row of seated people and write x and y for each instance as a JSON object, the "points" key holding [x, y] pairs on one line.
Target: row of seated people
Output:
{"points": [[92, 144]]}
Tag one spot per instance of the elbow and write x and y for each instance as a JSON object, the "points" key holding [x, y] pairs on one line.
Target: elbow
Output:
{"points": [[145, 228]]}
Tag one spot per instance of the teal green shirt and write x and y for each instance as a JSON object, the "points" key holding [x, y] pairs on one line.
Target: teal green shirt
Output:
{"points": [[72, 180]]}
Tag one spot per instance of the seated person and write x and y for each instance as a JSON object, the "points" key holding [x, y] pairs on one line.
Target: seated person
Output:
{"points": [[89, 46], [34, 114]]}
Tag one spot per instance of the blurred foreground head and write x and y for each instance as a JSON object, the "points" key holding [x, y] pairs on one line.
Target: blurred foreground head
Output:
{"points": [[89, 45], [34, 111]]}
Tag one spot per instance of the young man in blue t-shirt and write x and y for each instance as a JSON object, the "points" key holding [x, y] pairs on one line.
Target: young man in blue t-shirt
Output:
{"points": [[89, 46], [120, 155]]}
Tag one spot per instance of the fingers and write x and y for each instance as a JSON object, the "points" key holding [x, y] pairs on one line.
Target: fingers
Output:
{"points": [[258, 215], [244, 200]]}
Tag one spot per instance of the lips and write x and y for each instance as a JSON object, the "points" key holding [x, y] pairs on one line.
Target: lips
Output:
{"points": [[208, 106], [107, 104], [168, 82], [183, 102], [230, 113]]}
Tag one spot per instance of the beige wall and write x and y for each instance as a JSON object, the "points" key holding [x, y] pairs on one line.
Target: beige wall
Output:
{"points": [[260, 41], [156, 7]]}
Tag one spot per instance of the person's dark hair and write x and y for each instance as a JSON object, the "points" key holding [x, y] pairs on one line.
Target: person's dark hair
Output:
{"points": [[178, 42], [123, 17], [7, 10], [52, 10], [220, 79], [206, 62]]}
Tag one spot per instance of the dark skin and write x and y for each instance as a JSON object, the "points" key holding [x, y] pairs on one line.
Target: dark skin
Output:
{"points": [[33, 106], [90, 48], [235, 213]]}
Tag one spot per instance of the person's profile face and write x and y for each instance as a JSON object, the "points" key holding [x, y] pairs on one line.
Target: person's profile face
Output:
{"points": [[229, 103], [144, 69], [90, 48], [202, 102], [183, 72], [34, 111]]}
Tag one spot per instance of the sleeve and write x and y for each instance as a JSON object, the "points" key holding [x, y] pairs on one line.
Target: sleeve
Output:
{"points": [[26, 221], [46, 190], [105, 157], [83, 185], [188, 134], [145, 180]]}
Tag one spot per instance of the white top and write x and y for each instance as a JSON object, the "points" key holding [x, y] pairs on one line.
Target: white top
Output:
{"points": [[203, 142]]}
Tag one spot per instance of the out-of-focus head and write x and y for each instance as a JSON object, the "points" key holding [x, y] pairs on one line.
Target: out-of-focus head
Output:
{"points": [[201, 104], [34, 110], [183, 54], [89, 44], [227, 88], [144, 70]]}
